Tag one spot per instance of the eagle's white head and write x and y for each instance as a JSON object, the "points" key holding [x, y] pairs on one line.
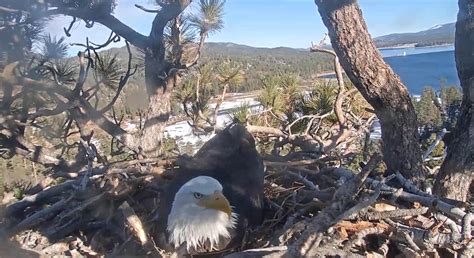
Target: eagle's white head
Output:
{"points": [[200, 214]]}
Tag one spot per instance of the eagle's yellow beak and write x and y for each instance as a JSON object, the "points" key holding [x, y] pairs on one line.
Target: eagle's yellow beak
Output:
{"points": [[216, 201]]}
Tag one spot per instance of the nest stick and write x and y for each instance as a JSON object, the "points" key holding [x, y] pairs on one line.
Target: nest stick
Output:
{"points": [[134, 222]]}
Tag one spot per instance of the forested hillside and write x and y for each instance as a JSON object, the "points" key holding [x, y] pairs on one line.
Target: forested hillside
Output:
{"points": [[142, 151], [255, 63], [436, 35]]}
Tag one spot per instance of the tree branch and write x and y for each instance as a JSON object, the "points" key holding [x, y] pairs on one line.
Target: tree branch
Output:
{"points": [[109, 21], [431, 148], [141, 7], [163, 16], [10, 10]]}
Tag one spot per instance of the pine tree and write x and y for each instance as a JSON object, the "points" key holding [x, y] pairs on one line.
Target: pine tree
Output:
{"points": [[428, 113], [450, 102]]}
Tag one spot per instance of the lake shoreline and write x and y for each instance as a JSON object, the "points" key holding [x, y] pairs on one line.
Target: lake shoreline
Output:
{"points": [[413, 45], [421, 67]]}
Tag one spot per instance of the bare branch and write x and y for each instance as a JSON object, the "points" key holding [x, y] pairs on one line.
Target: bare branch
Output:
{"points": [[334, 212], [113, 38], [40, 216], [277, 251], [431, 148], [10, 10], [163, 16], [428, 201], [315, 48], [31, 152], [254, 129], [109, 21], [141, 7], [467, 226], [400, 213], [40, 197], [123, 80], [68, 30]]}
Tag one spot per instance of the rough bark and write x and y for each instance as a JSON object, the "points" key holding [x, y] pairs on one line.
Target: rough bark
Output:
{"points": [[160, 79], [377, 83], [159, 108], [456, 173], [160, 75]]}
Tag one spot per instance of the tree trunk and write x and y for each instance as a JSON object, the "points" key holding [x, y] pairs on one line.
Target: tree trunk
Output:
{"points": [[377, 82], [160, 78], [160, 86], [218, 105], [159, 106], [456, 173]]}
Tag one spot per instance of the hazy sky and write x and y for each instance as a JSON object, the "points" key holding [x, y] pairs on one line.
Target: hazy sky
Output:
{"points": [[274, 23]]}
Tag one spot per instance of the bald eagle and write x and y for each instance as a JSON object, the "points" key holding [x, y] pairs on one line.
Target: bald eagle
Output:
{"points": [[214, 197]]}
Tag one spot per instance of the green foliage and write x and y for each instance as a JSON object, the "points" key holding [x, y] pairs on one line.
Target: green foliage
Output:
{"points": [[63, 70], [19, 30], [279, 92], [320, 100], [16, 175], [241, 114], [229, 72], [289, 85], [186, 92], [259, 62], [359, 106], [107, 70], [451, 97], [208, 81], [427, 111], [254, 63], [209, 18], [53, 48], [270, 96], [169, 146], [437, 152], [179, 37], [18, 193]]}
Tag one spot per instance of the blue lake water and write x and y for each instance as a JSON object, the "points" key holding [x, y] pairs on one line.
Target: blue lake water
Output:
{"points": [[387, 52], [419, 67]]}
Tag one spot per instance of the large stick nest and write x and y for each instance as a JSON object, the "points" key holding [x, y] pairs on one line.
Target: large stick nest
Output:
{"points": [[311, 209]]}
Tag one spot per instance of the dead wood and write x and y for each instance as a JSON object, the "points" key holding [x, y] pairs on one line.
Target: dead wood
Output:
{"points": [[82, 206], [40, 216], [467, 226], [358, 239], [334, 212], [427, 239], [324, 211], [400, 213], [428, 200], [269, 252], [136, 226], [39, 197]]}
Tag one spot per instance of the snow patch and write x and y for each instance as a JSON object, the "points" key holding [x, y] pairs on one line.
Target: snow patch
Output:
{"points": [[187, 139], [184, 135], [437, 26]]}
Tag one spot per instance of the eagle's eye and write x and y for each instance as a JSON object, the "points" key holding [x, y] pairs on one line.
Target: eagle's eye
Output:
{"points": [[197, 195]]}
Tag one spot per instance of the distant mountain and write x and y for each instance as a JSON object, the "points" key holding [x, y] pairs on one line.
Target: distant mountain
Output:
{"points": [[231, 50], [255, 62], [436, 35], [212, 49]]}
